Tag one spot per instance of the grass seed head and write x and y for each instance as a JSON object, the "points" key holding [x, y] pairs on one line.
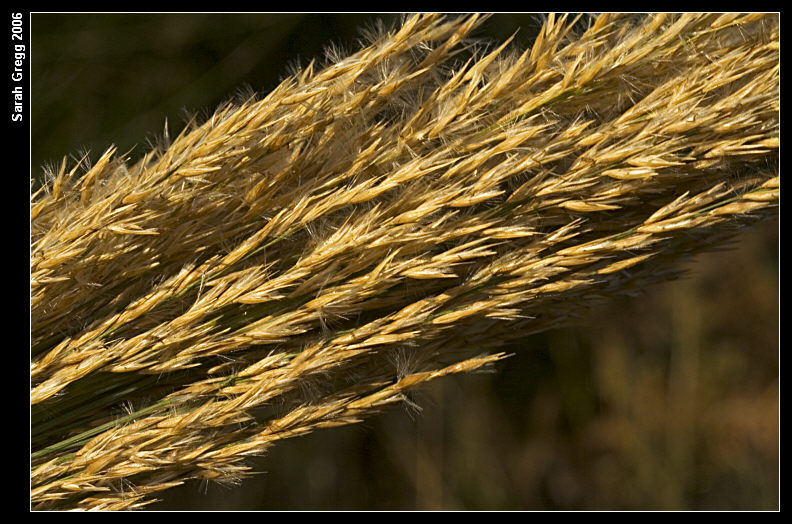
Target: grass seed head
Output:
{"points": [[305, 259]]}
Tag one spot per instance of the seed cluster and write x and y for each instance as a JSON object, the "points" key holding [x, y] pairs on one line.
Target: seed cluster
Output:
{"points": [[302, 260]]}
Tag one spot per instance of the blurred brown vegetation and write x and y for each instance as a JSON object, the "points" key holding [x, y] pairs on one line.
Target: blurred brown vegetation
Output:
{"points": [[666, 400]]}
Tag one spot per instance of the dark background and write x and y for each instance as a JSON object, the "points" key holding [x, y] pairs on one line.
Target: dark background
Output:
{"points": [[664, 401]]}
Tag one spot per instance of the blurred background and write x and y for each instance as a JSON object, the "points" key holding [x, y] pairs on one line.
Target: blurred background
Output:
{"points": [[667, 401]]}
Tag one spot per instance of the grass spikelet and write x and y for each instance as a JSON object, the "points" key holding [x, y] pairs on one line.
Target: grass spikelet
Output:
{"points": [[305, 259]]}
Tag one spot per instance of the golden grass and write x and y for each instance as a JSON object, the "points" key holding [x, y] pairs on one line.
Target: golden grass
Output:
{"points": [[303, 260]]}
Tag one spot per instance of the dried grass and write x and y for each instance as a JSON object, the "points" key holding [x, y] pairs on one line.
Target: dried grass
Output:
{"points": [[302, 260]]}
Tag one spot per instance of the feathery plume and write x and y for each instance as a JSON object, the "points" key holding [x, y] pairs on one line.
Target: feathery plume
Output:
{"points": [[302, 260]]}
